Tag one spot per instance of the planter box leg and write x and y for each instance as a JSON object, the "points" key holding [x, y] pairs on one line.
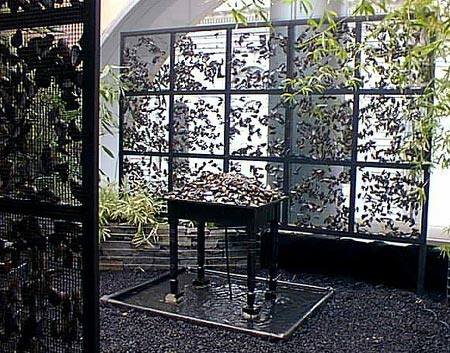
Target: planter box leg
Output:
{"points": [[174, 296], [201, 282]]}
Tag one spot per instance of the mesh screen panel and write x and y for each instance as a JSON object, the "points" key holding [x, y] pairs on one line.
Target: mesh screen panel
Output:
{"points": [[46, 169], [40, 284]]}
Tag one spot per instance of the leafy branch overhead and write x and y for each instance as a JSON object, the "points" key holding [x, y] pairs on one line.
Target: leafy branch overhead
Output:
{"points": [[112, 88], [423, 26], [407, 50]]}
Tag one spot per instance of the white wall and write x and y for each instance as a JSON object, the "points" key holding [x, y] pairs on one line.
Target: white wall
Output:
{"points": [[144, 15], [439, 209], [110, 10]]}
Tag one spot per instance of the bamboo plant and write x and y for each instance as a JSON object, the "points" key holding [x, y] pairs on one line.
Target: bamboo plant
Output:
{"points": [[130, 204]]}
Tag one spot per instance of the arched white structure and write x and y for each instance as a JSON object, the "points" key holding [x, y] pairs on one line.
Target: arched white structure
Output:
{"points": [[145, 15], [152, 14]]}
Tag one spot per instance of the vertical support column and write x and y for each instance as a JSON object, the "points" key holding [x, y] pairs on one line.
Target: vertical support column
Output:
{"points": [[447, 301], [90, 177], [228, 58], [424, 230], [355, 129], [251, 311], [288, 129], [121, 115], [174, 296], [172, 78], [201, 282], [421, 269], [273, 263]]}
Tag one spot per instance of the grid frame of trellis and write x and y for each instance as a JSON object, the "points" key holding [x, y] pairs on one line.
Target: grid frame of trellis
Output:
{"points": [[341, 180], [48, 161]]}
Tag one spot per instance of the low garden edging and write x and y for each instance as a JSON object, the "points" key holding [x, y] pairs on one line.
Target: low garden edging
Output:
{"points": [[117, 252], [376, 261]]}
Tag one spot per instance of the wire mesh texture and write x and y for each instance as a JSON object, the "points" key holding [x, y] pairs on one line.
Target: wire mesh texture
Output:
{"points": [[209, 98], [14, 7], [46, 220], [40, 285]]}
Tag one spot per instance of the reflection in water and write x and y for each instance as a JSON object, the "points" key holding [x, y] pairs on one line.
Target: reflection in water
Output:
{"points": [[214, 305]]}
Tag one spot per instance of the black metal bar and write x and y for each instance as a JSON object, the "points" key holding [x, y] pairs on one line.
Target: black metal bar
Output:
{"points": [[90, 179], [227, 259], [388, 165], [203, 92], [345, 234], [215, 27], [355, 127], [200, 281], [121, 116], [251, 311], [425, 206], [172, 79], [288, 126], [40, 209], [52, 17], [273, 263], [421, 269], [390, 92], [290, 159], [173, 239], [327, 92], [251, 268], [201, 250], [228, 58]]}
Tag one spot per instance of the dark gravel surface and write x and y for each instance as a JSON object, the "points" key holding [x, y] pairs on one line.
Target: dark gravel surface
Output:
{"points": [[360, 318]]}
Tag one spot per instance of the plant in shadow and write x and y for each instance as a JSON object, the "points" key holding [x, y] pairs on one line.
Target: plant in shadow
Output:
{"points": [[132, 204], [107, 206]]}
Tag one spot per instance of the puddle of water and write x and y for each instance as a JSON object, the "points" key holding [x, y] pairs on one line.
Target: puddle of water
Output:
{"points": [[213, 304]]}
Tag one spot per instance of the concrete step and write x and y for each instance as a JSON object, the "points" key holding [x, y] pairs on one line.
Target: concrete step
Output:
{"points": [[105, 266], [166, 253], [118, 252], [127, 232], [163, 259]]}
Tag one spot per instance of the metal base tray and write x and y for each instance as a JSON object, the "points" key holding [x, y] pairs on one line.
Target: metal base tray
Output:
{"points": [[212, 306]]}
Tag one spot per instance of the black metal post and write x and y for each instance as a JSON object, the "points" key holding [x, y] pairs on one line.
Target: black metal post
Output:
{"points": [[273, 263], [227, 92], [201, 282], [174, 296], [122, 99], [354, 159], [172, 78], [421, 269], [90, 178], [447, 301], [288, 126], [251, 311]]}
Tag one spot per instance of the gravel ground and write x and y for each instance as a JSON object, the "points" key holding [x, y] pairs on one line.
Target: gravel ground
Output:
{"points": [[360, 318]]}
